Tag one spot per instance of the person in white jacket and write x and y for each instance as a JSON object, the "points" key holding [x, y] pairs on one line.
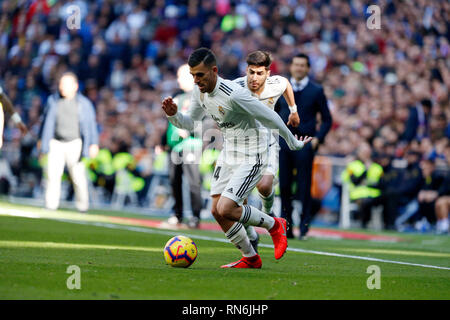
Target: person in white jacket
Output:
{"points": [[244, 122]]}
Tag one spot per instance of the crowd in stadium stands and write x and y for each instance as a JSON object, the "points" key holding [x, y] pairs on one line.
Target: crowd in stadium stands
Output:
{"points": [[388, 88]]}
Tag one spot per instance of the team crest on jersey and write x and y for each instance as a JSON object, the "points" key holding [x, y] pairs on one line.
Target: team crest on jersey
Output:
{"points": [[221, 110], [270, 100]]}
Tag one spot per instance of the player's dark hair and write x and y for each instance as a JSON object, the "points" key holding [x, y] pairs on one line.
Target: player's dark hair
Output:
{"points": [[259, 58], [304, 56], [200, 55]]}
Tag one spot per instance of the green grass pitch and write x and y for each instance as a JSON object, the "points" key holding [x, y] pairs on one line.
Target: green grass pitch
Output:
{"points": [[126, 262]]}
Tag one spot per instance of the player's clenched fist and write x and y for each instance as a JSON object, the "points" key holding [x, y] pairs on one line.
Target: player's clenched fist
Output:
{"points": [[169, 107]]}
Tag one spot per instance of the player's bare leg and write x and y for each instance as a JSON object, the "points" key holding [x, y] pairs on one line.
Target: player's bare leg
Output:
{"points": [[442, 208], [224, 223], [266, 193], [235, 232]]}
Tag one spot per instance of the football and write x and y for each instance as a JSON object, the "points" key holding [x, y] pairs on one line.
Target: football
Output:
{"points": [[180, 251]]}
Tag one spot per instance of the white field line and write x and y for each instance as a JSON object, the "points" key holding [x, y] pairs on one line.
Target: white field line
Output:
{"points": [[194, 236]]}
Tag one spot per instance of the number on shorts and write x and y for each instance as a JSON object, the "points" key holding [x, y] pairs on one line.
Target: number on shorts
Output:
{"points": [[217, 172]]}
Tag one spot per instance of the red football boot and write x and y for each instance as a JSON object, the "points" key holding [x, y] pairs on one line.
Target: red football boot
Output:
{"points": [[278, 233], [246, 262]]}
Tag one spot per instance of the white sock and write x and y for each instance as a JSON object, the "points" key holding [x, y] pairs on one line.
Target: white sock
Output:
{"points": [[237, 235], [254, 217], [267, 202], [442, 225], [251, 232]]}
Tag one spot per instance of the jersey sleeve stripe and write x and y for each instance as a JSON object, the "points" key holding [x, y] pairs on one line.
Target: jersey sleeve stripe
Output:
{"points": [[226, 87], [227, 93]]}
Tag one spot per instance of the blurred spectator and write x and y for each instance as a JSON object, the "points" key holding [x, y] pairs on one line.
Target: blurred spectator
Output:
{"points": [[401, 198], [443, 200], [418, 123], [69, 132], [185, 151], [429, 191], [363, 177], [390, 179], [370, 74]]}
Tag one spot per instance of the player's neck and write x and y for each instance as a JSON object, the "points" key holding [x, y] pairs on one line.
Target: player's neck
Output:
{"points": [[214, 84]]}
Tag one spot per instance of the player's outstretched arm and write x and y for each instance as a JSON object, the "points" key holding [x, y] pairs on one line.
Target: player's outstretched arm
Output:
{"points": [[288, 94], [9, 108], [305, 139]]}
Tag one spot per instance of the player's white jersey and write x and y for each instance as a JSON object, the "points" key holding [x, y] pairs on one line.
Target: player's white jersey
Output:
{"points": [[242, 118], [274, 88], [242, 133]]}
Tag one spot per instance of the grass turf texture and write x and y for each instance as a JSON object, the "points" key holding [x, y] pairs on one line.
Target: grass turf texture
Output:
{"points": [[123, 264]]}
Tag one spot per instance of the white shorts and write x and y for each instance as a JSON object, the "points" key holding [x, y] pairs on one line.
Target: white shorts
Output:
{"points": [[236, 180], [274, 158]]}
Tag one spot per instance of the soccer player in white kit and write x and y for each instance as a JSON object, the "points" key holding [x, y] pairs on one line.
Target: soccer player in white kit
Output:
{"points": [[244, 121], [268, 89]]}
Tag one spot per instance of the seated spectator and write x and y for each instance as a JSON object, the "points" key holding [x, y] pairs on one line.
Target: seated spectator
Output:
{"points": [[363, 176], [400, 197], [429, 191]]}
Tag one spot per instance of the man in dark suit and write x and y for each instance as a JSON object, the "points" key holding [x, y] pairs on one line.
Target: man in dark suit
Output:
{"points": [[418, 123], [296, 166]]}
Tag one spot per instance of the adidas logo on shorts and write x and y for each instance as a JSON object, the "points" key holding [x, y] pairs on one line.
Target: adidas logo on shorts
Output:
{"points": [[261, 222]]}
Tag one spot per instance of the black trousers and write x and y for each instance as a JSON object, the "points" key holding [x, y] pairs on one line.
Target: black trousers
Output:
{"points": [[366, 205], [192, 173], [302, 162], [391, 201], [427, 210]]}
